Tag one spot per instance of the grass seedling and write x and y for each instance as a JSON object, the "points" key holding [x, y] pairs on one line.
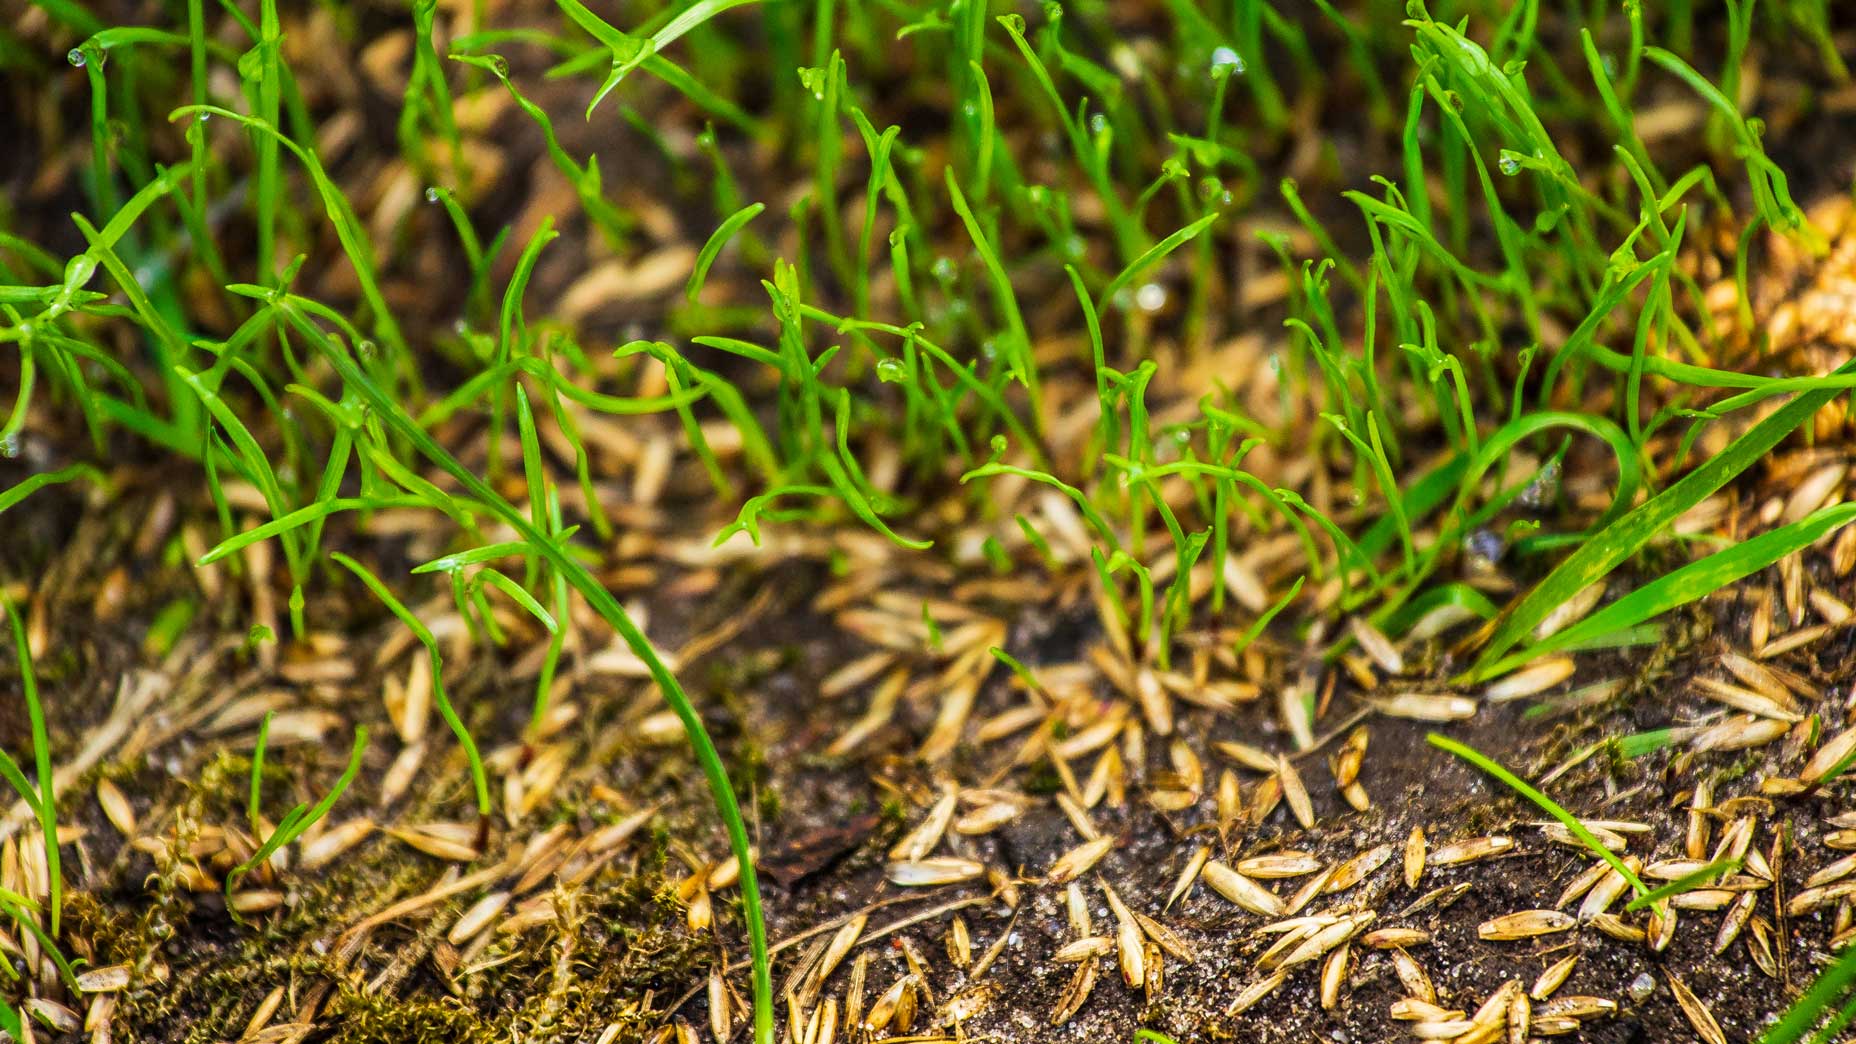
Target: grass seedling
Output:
{"points": [[1547, 805], [45, 803], [479, 779], [299, 818]]}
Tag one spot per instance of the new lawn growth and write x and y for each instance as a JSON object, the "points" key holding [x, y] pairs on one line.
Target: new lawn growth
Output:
{"points": [[1506, 301]]}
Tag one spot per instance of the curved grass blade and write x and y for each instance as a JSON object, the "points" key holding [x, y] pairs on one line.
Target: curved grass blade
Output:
{"points": [[1686, 883], [298, 820], [1547, 804], [711, 249], [1695, 580], [47, 806], [1830, 987], [1609, 547], [33, 483]]}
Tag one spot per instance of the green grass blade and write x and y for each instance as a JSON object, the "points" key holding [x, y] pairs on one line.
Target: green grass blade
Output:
{"points": [[1547, 804], [1695, 580], [1610, 546], [713, 247], [41, 760], [479, 779], [1686, 883]]}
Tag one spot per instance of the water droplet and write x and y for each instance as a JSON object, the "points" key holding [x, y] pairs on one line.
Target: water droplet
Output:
{"points": [[1226, 62], [1151, 297], [431, 195], [1509, 164], [75, 56], [1485, 544], [9, 446], [368, 349], [1075, 247], [989, 349], [1098, 123], [1545, 488], [892, 371], [944, 269]]}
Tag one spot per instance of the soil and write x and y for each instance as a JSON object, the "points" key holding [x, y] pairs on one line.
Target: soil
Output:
{"points": [[361, 948]]}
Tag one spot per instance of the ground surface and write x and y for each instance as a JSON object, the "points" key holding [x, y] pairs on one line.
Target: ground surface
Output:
{"points": [[853, 696]]}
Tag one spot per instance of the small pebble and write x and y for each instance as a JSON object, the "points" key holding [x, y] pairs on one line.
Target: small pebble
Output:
{"points": [[1641, 987]]}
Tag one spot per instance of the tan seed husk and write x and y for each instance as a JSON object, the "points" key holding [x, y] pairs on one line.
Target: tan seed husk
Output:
{"points": [[1414, 706], [329, 844], [1698, 1014], [1079, 860], [1836, 871], [1333, 975], [1075, 994], [1414, 857], [1520, 1018], [1250, 995], [1617, 928], [116, 807], [1128, 940], [1077, 909], [1553, 977], [1279, 865], [1241, 890], [1829, 755], [1165, 938], [1448, 1029], [1187, 875], [1084, 949], [1470, 850], [1534, 678], [477, 918], [934, 871], [108, 979], [917, 843], [842, 942], [1355, 870], [1576, 1007], [1526, 924], [987, 818], [721, 1010], [1394, 938], [1412, 976], [1582, 884], [1307, 893], [1295, 793], [1328, 938], [1734, 921], [884, 1009], [1250, 757], [1412, 1009], [1376, 645], [959, 943]]}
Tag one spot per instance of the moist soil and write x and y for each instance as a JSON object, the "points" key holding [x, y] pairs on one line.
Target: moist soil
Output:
{"points": [[364, 947], [623, 954]]}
